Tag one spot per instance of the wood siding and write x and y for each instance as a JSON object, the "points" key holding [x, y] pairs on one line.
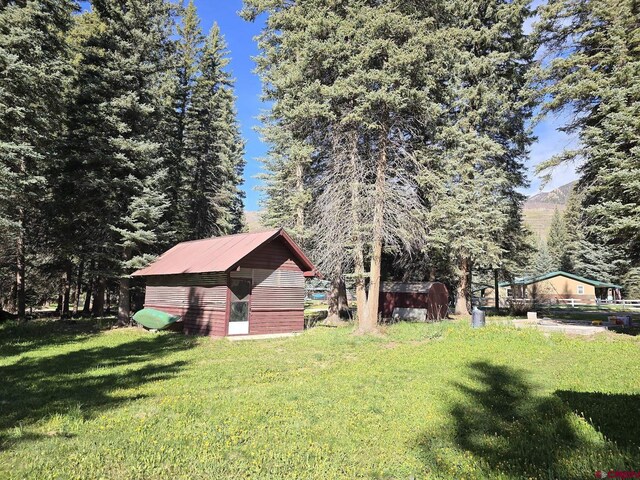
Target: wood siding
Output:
{"points": [[203, 309], [433, 297], [271, 256], [282, 321], [189, 279], [277, 300]]}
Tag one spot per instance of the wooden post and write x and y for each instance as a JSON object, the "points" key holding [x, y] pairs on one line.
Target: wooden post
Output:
{"points": [[496, 290]]}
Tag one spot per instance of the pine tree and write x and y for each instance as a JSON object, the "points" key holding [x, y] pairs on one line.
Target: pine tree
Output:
{"points": [[213, 147], [348, 86], [476, 162], [33, 60], [543, 261], [188, 50], [595, 62], [119, 116], [585, 252], [557, 243]]}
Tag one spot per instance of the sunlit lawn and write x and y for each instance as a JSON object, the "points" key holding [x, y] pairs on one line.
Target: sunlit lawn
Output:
{"points": [[423, 401]]}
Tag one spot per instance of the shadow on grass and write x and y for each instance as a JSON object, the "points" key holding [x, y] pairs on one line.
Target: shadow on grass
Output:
{"points": [[17, 338], [513, 433], [35, 389], [616, 416]]}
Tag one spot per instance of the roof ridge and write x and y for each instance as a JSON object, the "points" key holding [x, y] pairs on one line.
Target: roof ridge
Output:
{"points": [[271, 230]]}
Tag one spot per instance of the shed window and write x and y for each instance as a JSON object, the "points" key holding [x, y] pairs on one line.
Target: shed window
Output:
{"points": [[580, 289]]}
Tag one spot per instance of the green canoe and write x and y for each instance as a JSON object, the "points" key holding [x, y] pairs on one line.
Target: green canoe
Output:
{"points": [[155, 319]]}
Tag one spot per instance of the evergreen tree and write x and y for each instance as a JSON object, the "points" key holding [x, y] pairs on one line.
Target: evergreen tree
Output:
{"points": [[585, 252], [543, 261], [593, 72], [348, 82], [213, 147], [188, 51], [557, 243], [33, 60], [117, 123], [476, 161]]}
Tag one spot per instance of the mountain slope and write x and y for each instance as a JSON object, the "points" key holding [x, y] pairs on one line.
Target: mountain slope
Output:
{"points": [[539, 208]]}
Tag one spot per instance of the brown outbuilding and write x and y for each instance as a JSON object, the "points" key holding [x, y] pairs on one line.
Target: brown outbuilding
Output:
{"points": [[245, 284], [426, 301]]}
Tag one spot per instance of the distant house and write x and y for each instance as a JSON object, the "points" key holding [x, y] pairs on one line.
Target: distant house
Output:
{"points": [[243, 284], [552, 288]]}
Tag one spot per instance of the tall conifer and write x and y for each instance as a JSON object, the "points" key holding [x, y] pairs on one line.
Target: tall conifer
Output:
{"points": [[213, 147]]}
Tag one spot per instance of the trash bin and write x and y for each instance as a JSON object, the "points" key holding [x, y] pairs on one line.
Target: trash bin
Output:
{"points": [[477, 318]]}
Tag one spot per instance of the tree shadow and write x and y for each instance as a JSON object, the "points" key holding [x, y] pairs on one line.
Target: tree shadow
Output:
{"points": [[616, 416], [17, 338], [513, 433], [35, 389]]}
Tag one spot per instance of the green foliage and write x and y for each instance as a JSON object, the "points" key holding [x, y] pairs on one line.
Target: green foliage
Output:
{"points": [[587, 254], [34, 61], [95, 179], [594, 51], [213, 148], [543, 261], [81, 402], [557, 243]]}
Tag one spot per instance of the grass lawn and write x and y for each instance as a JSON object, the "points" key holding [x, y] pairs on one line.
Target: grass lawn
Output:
{"points": [[424, 401]]}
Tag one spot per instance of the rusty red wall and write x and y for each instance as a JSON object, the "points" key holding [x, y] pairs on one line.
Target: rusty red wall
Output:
{"points": [[274, 255], [435, 300], [201, 300], [277, 298]]}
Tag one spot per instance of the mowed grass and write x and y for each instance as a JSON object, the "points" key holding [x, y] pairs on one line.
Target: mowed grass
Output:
{"points": [[435, 401]]}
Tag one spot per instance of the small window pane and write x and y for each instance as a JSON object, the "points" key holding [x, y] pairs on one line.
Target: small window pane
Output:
{"points": [[239, 312], [580, 289]]}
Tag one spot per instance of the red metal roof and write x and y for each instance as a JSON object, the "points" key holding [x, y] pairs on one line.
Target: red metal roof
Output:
{"points": [[219, 254]]}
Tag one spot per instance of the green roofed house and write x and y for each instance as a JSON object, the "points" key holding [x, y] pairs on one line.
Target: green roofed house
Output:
{"points": [[553, 288]]}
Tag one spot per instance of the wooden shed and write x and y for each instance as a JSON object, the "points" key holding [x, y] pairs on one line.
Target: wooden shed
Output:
{"points": [[414, 300], [245, 284]]}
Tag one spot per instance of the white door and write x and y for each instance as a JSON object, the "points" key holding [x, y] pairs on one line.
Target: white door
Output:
{"points": [[240, 306]]}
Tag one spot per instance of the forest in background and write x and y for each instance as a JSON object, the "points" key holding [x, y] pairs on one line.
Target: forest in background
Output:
{"points": [[118, 138], [398, 133]]}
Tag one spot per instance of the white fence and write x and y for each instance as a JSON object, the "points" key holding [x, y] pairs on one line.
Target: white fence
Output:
{"points": [[624, 302], [572, 302]]}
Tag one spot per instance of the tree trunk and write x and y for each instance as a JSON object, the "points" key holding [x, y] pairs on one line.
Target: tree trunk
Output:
{"points": [[78, 290], [108, 304], [58, 310], [432, 274], [124, 304], [86, 309], [66, 290], [462, 292], [98, 298], [358, 243], [375, 271], [496, 287], [300, 204], [11, 305], [338, 303], [21, 301]]}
